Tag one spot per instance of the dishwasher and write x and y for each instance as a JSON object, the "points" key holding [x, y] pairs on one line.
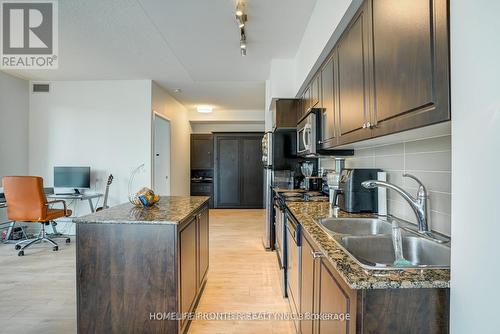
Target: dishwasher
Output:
{"points": [[280, 240], [293, 265]]}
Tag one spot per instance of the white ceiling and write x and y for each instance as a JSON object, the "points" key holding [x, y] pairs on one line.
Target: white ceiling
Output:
{"points": [[188, 44]]}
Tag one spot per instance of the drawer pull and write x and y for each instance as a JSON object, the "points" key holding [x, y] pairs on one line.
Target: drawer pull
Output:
{"points": [[316, 255]]}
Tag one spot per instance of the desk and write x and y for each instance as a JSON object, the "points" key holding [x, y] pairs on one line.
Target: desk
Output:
{"points": [[82, 197]]}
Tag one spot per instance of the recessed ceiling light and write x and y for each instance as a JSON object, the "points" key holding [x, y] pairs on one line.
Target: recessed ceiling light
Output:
{"points": [[204, 109], [177, 90]]}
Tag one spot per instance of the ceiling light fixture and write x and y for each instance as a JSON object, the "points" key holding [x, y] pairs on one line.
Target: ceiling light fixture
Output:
{"points": [[204, 109], [241, 19], [177, 90]]}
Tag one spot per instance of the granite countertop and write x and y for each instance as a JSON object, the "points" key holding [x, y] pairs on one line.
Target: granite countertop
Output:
{"points": [[284, 190], [169, 210], [308, 215]]}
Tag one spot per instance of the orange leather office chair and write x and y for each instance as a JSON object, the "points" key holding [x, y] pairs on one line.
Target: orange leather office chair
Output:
{"points": [[26, 202]]}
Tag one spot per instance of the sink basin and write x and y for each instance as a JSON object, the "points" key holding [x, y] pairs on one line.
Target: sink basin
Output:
{"points": [[357, 226], [377, 252]]}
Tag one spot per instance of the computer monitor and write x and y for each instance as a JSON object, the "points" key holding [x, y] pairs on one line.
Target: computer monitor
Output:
{"points": [[72, 177]]}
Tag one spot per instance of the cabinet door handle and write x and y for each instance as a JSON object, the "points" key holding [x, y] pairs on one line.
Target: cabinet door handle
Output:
{"points": [[316, 255]]}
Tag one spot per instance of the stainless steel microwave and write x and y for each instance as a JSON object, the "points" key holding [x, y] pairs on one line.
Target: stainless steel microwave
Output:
{"points": [[306, 136]]}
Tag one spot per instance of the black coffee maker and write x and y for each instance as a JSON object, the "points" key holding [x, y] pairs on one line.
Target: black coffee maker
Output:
{"points": [[353, 197]]}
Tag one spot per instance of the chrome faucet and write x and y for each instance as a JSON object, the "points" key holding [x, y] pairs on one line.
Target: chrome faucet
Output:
{"points": [[419, 204]]}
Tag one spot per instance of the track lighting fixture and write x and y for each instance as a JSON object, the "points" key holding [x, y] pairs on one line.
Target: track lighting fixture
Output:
{"points": [[241, 20]]}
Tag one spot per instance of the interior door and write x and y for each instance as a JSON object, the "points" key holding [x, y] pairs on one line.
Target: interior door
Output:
{"points": [[161, 155], [227, 192], [252, 188]]}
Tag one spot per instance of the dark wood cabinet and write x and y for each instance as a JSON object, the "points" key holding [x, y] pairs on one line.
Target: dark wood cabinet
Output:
{"points": [[315, 91], [308, 277], [203, 250], [202, 146], [389, 75], [285, 113], [188, 269], [354, 79], [193, 260], [238, 170], [411, 64], [306, 103], [335, 298], [202, 164], [328, 104]]}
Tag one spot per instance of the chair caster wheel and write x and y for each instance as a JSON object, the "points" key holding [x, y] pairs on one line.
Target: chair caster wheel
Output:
{"points": [[17, 247], [21, 253], [68, 240], [55, 249]]}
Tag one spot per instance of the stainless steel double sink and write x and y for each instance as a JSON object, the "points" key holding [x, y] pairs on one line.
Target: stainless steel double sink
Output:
{"points": [[369, 242]]}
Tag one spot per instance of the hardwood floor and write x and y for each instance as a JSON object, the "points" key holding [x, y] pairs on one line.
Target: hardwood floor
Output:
{"points": [[37, 291], [242, 276]]}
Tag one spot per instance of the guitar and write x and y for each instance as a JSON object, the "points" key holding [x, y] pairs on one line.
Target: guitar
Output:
{"points": [[106, 193]]}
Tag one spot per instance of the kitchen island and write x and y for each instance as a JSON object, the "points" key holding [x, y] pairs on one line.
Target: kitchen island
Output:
{"points": [[138, 267]]}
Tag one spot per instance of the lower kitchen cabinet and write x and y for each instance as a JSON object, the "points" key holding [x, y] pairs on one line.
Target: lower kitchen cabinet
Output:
{"points": [[193, 261], [323, 292]]}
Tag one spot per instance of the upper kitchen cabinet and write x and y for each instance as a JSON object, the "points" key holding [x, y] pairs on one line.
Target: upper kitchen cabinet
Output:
{"points": [[328, 101], [410, 64], [285, 113], [202, 151], [315, 91], [306, 103], [354, 78]]}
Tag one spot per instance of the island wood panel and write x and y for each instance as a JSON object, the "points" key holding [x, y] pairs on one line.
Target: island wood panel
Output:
{"points": [[418, 311], [188, 266], [203, 235], [124, 273]]}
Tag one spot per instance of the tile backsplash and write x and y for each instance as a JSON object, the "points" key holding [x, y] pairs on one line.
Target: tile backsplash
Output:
{"points": [[429, 160]]}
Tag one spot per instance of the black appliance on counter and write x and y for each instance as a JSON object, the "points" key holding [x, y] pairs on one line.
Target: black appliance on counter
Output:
{"points": [[353, 197]]}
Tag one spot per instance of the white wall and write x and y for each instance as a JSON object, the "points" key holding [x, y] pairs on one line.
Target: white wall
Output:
{"points": [[102, 124], [325, 18], [178, 115], [475, 87], [223, 120], [227, 127], [225, 115], [323, 29], [14, 113]]}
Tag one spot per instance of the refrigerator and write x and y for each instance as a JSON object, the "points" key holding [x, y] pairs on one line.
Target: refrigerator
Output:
{"points": [[279, 152]]}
